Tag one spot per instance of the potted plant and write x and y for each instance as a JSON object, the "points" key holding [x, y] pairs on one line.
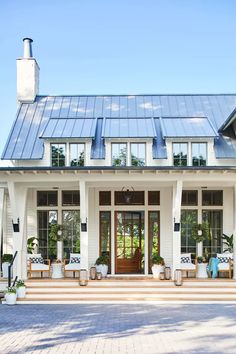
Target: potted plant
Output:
{"points": [[10, 295], [102, 265], [56, 239], [20, 288], [201, 260], [229, 242], [157, 265], [6, 261]]}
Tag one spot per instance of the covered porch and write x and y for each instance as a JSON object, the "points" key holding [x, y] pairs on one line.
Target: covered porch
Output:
{"points": [[151, 222]]}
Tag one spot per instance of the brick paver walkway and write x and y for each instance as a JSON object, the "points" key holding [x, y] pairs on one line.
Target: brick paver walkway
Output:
{"points": [[122, 328]]}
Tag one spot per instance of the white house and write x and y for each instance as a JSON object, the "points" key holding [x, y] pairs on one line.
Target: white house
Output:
{"points": [[121, 173]]}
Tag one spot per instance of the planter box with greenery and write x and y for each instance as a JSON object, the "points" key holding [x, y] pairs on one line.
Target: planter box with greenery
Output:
{"points": [[157, 266], [6, 261], [102, 265]]}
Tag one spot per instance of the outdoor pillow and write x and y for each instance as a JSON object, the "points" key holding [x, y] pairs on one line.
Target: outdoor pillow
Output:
{"points": [[37, 260], [185, 258], [74, 260]]}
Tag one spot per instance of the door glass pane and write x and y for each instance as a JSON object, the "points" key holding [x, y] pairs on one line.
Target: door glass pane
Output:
{"points": [[188, 220], [215, 221], [154, 230], [71, 232], [105, 234]]}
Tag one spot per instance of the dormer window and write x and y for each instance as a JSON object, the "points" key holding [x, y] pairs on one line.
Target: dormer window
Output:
{"points": [[58, 155], [180, 154], [77, 154], [138, 154], [199, 154], [119, 154]]}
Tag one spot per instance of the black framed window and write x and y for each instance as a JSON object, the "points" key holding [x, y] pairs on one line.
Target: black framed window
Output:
{"points": [[47, 198], [70, 198], [189, 198], [212, 198]]}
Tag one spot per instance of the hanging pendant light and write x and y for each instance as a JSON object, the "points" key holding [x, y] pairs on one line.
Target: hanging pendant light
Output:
{"points": [[128, 195]]}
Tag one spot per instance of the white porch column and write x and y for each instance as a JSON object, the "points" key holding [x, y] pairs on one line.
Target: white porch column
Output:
{"points": [[234, 232], [84, 220], [1, 215], [177, 197], [18, 198]]}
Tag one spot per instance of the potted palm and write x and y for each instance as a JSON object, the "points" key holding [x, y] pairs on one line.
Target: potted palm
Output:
{"points": [[6, 261], [10, 295], [102, 263], [20, 288], [157, 265]]}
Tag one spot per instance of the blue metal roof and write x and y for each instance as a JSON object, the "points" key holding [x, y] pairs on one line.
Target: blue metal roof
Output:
{"points": [[32, 118], [69, 128], [186, 127], [128, 128]]}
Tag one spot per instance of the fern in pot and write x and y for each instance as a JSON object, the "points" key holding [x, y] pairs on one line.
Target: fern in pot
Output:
{"points": [[6, 261]]}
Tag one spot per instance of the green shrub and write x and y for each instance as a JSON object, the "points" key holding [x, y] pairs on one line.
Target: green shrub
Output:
{"points": [[102, 260], [7, 258]]}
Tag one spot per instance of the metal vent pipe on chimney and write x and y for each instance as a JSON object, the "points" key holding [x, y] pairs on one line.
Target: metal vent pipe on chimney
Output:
{"points": [[28, 53]]}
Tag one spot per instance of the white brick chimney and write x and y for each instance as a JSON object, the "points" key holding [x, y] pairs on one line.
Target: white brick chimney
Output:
{"points": [[27, 74]]}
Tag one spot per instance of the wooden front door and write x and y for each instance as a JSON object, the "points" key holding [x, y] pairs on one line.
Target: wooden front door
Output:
{"points": [[129, 235]]}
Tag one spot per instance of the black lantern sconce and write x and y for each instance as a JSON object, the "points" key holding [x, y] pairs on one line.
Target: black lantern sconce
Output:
{"points": [[83, 226], [176, 226], [128, 195], [16, 226]]}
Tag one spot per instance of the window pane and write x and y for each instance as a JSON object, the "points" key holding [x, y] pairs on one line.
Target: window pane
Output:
{"points": [[77, 154], [153, 198], [189, 198], [46, 245], [188, 220], [154, 229], [105, 234], [138, 154], [105, 198], [212, 197], [58, 153], [47, 198], [180, 154], [70, 198], [215, 221], [71, 231], [119, 154], [199, 154]]}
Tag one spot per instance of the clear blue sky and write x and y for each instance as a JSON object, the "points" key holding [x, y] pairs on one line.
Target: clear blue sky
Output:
{"points": [[119, 46]]}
